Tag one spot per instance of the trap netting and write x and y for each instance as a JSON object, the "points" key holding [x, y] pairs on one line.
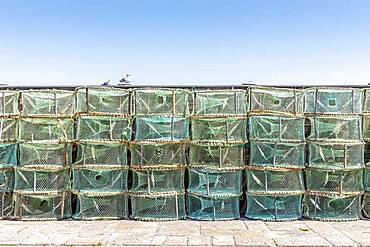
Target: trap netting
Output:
{"points": [[333, 100], [167, 206], [220, 129], [94, 206], [9, 103], [6, 205], [273, 154], [220, 102], [221, 207], [366, 126], [276, 100], [332, 207], [6, 179], [100, 100], [276, 128], [8, 154], [367, 178], [366, 104], [48, 102], [273, 207], [42, 206], [367, 205], [161, 101], [8, 129]]}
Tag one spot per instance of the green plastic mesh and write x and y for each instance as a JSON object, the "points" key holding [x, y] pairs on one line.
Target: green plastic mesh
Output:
{"points": [[276, 128], [265, 153], [366, 103], [48, 102], [223, 129], [103, 100], [9, 102], [366, 126], [92, 206], [282, 100], [273, 207], [331, 207], [162, 128], [8, 129], [161, 101], [367, 205], [367, 178], [202, 207], [6, 179], [221, 102], [158, 207], [8, 154], [6, 205]]}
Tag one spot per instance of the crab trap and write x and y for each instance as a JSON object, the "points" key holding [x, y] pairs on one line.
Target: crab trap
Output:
{"points": [[8, 154], [366, 126], [367, 178], [8, 129], [367, 205], [6, 205], [220, 207], [6, 179], [9, 103]]}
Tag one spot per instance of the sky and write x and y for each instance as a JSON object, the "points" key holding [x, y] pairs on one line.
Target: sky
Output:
{"points": [[185, 42]]}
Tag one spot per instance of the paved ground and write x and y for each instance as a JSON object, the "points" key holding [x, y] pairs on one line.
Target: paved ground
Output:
{"points": [[179, 233]]}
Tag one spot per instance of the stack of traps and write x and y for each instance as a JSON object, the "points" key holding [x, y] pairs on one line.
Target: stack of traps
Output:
{"points": [[366, 136]]}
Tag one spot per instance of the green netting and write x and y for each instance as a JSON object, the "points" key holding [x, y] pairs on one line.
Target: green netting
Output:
{"points": [[6, 179], [214, 182], [335, 155], [110, 128], [100, 179], [340, 181], [162, 128], [6, 205], [48, 102], [9, 102], [161, 101], [219, 129], [92, 206], [366, 126], [45, 154], [273, 154], [53, 206], [202, 207], [8, 129], [158, 207], [276, 128], [282, 100], [366, 104], [333, 100], [367, 205], [8, 154], [157, 181], [274, 181], [331, 207], [107, 100], [41, 179], [273, 207], [367, 178], [221, 102], [221, 155]]}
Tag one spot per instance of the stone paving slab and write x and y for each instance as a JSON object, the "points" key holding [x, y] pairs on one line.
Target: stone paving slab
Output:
{"points": [[184, 233]]}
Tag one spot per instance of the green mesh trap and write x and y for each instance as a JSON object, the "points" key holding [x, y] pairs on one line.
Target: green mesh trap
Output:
{"points": [[48, 102], [6, 205], [108, 100], [366, 126], [276, 128], [95, 206], [220, 129], [367, 178], [9, 103], [332, 207], [161, 101], [8, 129], [169, 206], [276, 100], [333, 100], [8, 154], [367, 205], [6, 179], [222, 207], [220, 102], [273, 207], [273, 154], [366, 104]]}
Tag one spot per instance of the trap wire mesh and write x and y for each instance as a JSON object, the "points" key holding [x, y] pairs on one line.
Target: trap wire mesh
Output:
{"points": [[9, 103]]}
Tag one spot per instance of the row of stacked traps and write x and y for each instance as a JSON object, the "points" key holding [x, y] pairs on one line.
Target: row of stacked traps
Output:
{"points": [[366, 132], [274, 174], [334, 172]]}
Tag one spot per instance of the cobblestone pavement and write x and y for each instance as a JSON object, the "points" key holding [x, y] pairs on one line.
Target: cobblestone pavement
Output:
{"points": [[180, 233]]}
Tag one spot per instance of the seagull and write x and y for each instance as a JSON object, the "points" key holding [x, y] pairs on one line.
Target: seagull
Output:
{"points": [[106, 83], [125, 80]]}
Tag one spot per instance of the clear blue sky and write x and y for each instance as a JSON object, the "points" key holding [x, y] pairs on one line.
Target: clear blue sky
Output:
{"points": [[203, 41]]}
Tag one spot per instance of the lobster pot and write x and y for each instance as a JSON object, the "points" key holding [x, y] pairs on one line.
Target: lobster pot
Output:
{"points": [[161, 101], [108, 100], [37, 179], [108, 128], [214, 182], [367, 205], [6, 205], [42, 206], [6, 179], [275, 154], [9, 103], [45, 154], [49, 102], [366, 126], [339, 181], [332, 207], [96, 206], [276, 100], [220, 102], [336, 155], [333, 101], [279, 181], [217, 155], [220, 129], [276, 128], [8, 129], [8, 154], [273, 207], [220, 207], [367, 178], [157, 181]]}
